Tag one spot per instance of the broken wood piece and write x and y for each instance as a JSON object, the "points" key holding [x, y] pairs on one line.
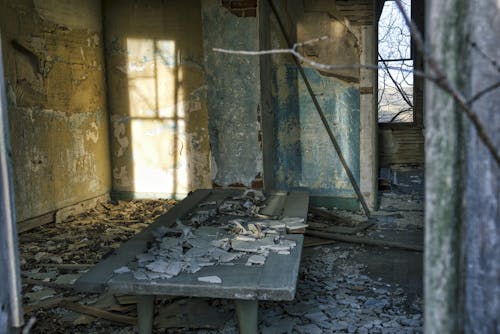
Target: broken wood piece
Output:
{"points": [[66, 266], [330, 215], [48, 303], [363, 240], [313, 242], [98, 313], [29, 224], [75, 209], [343, 229], [126, 299], [48, 284]]}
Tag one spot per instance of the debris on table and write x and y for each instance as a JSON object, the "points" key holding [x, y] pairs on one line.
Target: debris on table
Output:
{"points": [[210, 279], [217, 233]]}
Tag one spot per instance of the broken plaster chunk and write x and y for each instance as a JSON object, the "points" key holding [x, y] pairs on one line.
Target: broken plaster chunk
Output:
{"points": [[244, 246], [186, 230], [254, 194], [164, 268], [245, 238], [255, 230], [221, 243], [238, 226], [169, 243], [192, 267], [140, 275], [256, 259], [144, 257], [122, 270], [210, 279]]}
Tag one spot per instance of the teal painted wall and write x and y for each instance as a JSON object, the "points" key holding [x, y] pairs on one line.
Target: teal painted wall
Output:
{"points": [[233, 95], [304, 154]]}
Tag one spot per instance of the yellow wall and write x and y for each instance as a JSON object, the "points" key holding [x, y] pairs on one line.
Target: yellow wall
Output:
{"points": [[156, 91], [54, 68]]}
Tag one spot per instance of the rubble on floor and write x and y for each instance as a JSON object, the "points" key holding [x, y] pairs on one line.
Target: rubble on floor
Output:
{"points": [[337, 291], [53, 256]]}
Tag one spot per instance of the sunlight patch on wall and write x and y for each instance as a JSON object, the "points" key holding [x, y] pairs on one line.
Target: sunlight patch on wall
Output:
{"points": [[157, 117]]}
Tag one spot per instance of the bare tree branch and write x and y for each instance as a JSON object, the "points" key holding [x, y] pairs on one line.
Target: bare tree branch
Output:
{"points": [[399, 113], [483, 92], [293, 51], [398, 86], [492, 61]]}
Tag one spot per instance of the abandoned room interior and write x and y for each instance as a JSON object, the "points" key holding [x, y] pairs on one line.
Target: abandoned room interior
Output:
{"points": [[249, 166]]}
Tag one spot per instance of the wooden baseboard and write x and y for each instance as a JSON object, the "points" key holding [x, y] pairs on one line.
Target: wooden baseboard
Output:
{"points": [[60, 214], [80, 207], [35, 222]]}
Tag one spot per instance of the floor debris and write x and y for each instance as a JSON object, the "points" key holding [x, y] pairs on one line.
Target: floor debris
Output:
{"points": [[342, 288], [200, 240]]}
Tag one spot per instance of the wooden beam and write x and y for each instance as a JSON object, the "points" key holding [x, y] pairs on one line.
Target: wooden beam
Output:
{"points": [[29, 224]]}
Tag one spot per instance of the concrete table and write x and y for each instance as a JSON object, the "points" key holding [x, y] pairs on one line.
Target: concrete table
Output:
{"points": [[246, 285]]}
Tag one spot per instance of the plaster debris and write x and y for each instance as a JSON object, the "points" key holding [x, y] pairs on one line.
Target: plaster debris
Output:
{"points": [[210, 279], [200, 240], [122, 270], [256, 259]]}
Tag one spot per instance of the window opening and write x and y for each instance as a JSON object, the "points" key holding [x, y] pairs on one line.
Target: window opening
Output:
{"points": [[395, 74]]}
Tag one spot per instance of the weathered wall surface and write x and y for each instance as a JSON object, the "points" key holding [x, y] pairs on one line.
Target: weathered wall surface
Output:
{"points": [[53, 57], [157, 97], [233, 94], [401, 146], [304, 154]]}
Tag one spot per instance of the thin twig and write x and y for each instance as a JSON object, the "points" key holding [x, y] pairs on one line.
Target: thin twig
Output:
{"points": [[321, 66], [483, 92], [399, 113], [444, 83], [492, 61], [398, 87]]}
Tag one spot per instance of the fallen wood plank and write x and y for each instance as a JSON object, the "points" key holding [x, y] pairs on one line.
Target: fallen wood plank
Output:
{"points": [[126, 299], [98, 313], [342, 229], [48, 303], [363, 240], [318, 243], [80, 207], [32, 223], [330, 215], [67, 266], [48, 284]]}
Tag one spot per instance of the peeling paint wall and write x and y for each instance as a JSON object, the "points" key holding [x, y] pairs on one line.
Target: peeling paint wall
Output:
{"points": [[53, 58], [304, 155], [233, 95], [157, 97]]}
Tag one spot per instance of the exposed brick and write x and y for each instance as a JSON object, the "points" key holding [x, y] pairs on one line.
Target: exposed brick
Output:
{"points": [[258, 184], [238, 12], [241, 8], [243, 4], [250, 13]]}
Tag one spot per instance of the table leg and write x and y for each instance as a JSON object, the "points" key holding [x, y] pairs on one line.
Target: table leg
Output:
{"points": [[246, 310], [145, 312]]}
